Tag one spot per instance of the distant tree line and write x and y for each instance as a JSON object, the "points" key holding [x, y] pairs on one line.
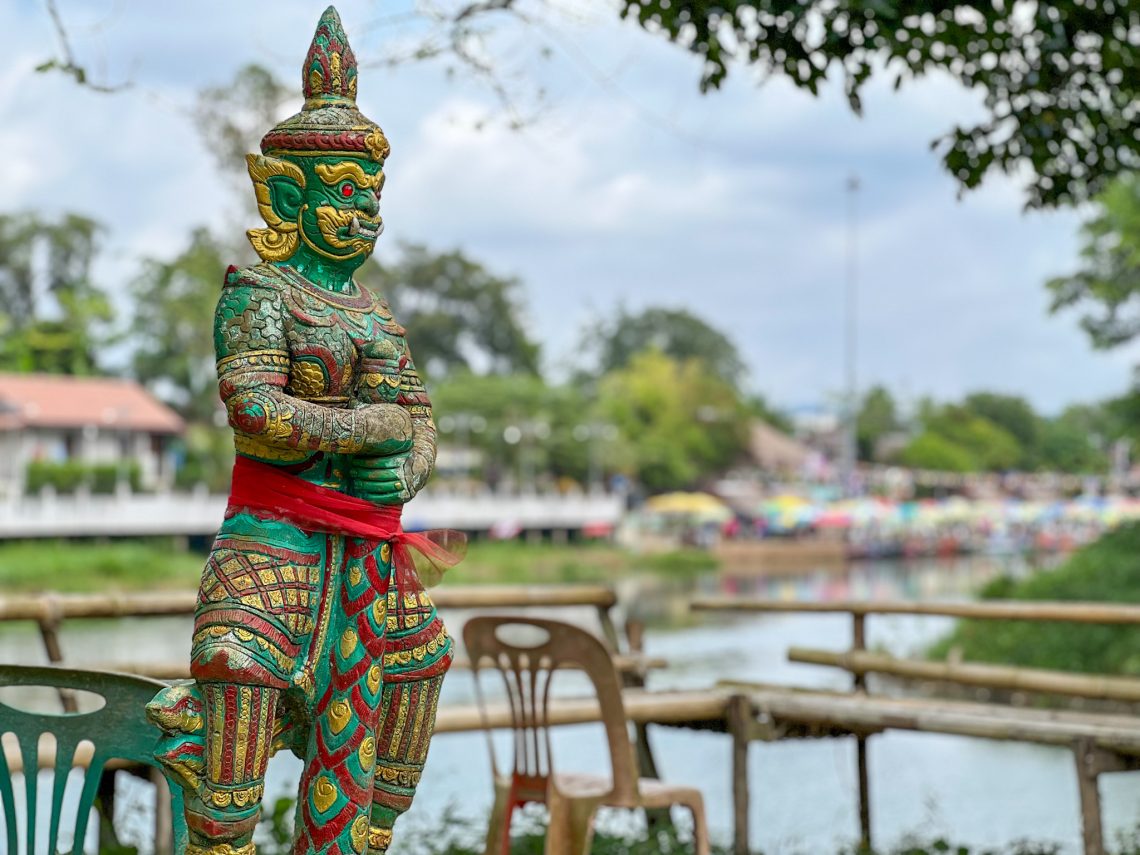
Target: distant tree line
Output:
{"points": [[991, 432]]}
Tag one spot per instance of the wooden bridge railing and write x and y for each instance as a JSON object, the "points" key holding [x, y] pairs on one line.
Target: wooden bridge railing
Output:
{"points": [[50, 610], [1094, 752]]}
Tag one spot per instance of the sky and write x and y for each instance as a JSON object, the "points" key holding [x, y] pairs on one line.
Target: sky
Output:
{"points": [[626, 187]]}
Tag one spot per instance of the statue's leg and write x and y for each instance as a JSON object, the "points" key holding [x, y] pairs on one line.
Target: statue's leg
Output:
{"points": [[417, 656], [257, 613], [335, 792], [239, 727]]}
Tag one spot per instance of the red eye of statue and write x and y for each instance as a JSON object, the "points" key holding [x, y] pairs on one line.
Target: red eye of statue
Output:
{"points": [[347, 190]]}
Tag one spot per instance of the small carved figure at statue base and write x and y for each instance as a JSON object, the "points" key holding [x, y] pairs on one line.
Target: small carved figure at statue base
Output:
{"points": [[312, 630]]}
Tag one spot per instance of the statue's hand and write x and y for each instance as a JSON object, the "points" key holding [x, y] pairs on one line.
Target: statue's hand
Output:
{"points": [[381, 480], [387, 429]]}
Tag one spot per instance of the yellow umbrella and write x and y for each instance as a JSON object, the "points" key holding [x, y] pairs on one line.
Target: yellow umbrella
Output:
{"points": [[700, 505]]}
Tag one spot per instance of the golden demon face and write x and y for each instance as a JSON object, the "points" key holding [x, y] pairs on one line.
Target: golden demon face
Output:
{"points": [[331, 204]]}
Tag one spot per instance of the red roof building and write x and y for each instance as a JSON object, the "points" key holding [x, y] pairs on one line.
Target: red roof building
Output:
{"points": [[92, 420]]}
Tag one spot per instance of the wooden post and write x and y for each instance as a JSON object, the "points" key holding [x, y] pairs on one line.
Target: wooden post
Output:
{"points": [[1085, 755], [1091, 763], [609, 631], [49, 632], [864, 792], [859, 642], [739, 720]]}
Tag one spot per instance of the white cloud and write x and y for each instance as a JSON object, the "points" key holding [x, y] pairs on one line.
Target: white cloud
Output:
{"points": [[632, 189]]}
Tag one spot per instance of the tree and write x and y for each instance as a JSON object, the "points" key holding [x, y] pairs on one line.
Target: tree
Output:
{"points": [[459, 316], [759, 407], [519, 423], [231, 119], [877, 417], [677, 333], [174, 307], [1015, 415], [679, 422], [931, 451], [1072, 442], [53, 317], [1058, 76], [1108, 283], [990, 448]]}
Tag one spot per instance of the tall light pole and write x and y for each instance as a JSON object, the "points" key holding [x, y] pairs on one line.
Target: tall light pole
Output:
{"points": [[851, 293]]}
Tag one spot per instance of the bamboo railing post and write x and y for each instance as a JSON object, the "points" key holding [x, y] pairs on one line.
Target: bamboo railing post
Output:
{"points": [[609, 631], [1085, 755], [859, 642], [739, 721], [864, 792], [646, 763], [48, 624]]}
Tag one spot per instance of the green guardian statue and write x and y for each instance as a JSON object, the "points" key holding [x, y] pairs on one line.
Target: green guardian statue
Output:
{"points": [[312, 630]]}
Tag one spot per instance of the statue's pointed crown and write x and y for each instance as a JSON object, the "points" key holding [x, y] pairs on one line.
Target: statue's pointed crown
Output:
{"points": [[329, 73], [330, 122]]}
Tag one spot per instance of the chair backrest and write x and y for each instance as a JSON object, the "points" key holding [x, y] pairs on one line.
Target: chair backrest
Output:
{"points": [[118, 729], [527, 651]]}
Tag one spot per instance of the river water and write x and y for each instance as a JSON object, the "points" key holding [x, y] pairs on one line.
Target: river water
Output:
{"points": [[972, 791]]}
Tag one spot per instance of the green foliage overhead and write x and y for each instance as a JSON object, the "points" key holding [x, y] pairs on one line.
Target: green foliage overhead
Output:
{"points": [[1106, 571], [1058, 78], [677, 333], [459, 315], [1107, 285], [680, 422], [232, 118], [53, 318]]}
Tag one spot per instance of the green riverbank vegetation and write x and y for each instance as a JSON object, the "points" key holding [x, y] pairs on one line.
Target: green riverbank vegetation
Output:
{"points": [[1105, 571], [158, 563]]}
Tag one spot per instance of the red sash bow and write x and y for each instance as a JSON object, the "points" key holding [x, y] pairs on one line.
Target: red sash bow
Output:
{"points": [[265, 488]]}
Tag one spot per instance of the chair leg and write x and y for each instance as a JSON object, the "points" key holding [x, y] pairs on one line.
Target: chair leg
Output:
{"points": [[700, 827], [499, 826], [571, 828], [582, 815]]}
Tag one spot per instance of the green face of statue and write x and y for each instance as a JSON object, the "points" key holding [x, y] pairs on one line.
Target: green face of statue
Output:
{"points": [[339, 216], [324, 208]]}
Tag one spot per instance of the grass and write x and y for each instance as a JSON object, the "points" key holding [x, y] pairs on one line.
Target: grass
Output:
{"points": [[85, 567], [1105, 571], [156, 563], [517, 562]]}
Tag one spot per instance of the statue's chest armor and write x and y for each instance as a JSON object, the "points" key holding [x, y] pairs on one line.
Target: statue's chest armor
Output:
{"points": [[339, 345]]}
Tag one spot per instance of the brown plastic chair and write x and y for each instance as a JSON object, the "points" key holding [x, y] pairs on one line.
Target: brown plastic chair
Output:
{"points": [[526, 652]]}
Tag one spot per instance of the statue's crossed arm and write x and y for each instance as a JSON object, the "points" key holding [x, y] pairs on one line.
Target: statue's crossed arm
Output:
{"points": [[253, 370]]}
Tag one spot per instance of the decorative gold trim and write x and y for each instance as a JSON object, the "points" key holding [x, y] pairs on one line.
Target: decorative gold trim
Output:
{"points": [[279, 241], [334, 173], [379, 838]]}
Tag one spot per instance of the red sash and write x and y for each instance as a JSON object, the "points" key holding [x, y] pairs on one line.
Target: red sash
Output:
{"points": [[260, 487]]}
